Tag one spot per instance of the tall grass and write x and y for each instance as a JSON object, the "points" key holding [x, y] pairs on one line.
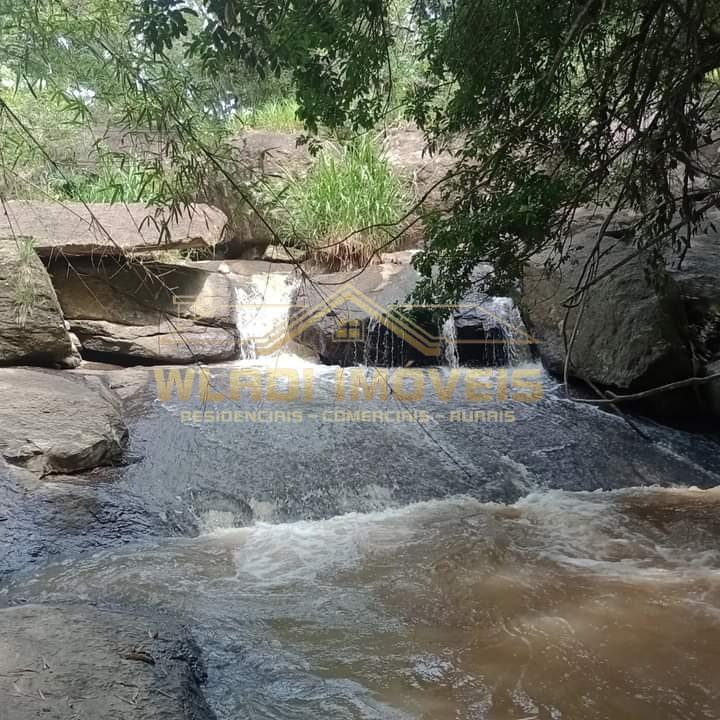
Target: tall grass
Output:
{"points": [[111, 182], [24, 282], [344, 211], [278, 114]]}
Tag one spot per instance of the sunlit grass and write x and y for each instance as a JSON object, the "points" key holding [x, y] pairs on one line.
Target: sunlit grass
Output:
{"points": [[279, 114], [346, 208], [126, 182]]}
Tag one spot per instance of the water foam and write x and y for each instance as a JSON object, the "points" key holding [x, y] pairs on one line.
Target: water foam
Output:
{"points": [[263, 308]]}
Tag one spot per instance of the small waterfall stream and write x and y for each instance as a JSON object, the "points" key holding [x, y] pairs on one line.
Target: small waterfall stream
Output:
{"points": [[507, 340], [490, 333], [451, 356], [487, 333], [262, 310]]}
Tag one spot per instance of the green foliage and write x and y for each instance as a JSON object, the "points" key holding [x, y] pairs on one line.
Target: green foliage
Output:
{"points": [[557, 105], [25, 156], [123, 181], [278, 114], [81, 59], [24, 299], [347, 208], [328, 49]]}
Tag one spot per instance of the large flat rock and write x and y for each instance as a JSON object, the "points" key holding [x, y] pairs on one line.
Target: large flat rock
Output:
{"points": [[70, 662], [73, 228], [129, 311], [32, 328], [169, 341], [57, 422]]}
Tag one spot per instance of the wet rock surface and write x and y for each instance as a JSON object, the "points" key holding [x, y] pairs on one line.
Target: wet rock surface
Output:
{"points": [[187, 478], [341, 315], [55, 422], [73, 661]]}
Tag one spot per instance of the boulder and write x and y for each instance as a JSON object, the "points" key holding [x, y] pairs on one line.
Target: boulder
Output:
{"points": [[57, 422], [423, 172], [698, 277], [279, 254], [712, 390], [97, 228], [256, 157], [176, 341], [32, 327], [268, 153], [74, 661], [132, 312], [634, 333], [349, 318]]}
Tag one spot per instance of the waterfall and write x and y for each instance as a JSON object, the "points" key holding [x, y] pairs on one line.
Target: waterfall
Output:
{"points": [[383, 348], [451, 355], [486, 331], [262, 309], [482, 332]]}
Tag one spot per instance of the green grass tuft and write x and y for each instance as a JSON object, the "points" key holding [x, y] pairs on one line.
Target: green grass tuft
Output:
{"points": [[350, 190], [24, 285], [279, 114], [124, 182]]}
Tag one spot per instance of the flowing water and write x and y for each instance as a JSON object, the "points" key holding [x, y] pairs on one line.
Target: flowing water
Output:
{"points": [[262, 307], [561, 605], [469, 549]]}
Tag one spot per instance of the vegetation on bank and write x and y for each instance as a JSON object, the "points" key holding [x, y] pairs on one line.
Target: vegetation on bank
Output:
{"points": [[277, 113], [346, 209], [554, 106]]}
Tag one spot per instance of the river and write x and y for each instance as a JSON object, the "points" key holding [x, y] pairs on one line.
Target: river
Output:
{"points": [[440, 557]]}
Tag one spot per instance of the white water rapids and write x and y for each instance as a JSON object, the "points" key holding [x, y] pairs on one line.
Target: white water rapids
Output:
{"points": [[475, 568]]}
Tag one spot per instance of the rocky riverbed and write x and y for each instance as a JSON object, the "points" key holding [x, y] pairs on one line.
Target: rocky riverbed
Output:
{"points": [[254, 537]]}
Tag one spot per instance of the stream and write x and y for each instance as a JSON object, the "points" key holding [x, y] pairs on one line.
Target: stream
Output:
{"points": [[403, 544], [415, 566]]}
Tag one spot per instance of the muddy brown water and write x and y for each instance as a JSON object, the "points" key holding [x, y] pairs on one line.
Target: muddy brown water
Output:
{"points": [[356, 572]]}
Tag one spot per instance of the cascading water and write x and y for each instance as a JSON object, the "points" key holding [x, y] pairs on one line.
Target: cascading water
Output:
{"points": [[382, 347], [451, 356], [486, 331], [379, 572], [262, 309]]}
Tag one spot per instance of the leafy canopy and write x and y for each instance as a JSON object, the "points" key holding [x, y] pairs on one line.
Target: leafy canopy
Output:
{"points": [[554, 103], [557, 103]]}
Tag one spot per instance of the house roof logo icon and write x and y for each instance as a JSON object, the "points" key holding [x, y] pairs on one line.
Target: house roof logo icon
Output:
{"points": [[392, 318]]}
